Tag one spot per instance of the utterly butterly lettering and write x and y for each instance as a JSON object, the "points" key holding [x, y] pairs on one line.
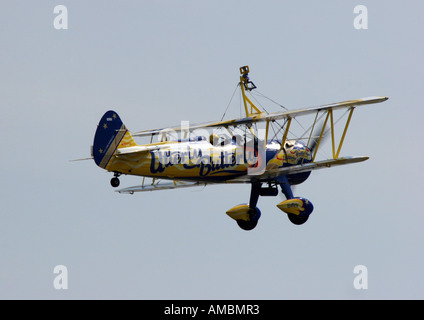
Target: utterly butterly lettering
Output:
{"points": [[202, 159]]}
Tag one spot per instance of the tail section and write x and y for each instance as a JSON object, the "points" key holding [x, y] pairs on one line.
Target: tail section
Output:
{"points": [[111, 134]]}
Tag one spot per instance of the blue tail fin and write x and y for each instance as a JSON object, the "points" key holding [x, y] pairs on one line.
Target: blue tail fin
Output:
{"points": [[109, 135]]}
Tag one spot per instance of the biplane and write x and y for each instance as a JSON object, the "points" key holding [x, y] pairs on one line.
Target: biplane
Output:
{"points": [[231, 152]]}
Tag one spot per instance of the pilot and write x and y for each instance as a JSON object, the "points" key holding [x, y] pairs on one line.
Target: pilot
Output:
{"points": [[213, 139], [237, 140]]}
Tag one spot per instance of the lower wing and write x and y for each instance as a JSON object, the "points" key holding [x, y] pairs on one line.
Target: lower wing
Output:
{"points": [[266, 176], [271, 174], [175, 184]]}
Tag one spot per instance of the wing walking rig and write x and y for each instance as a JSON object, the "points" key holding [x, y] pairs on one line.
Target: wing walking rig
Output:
{"points": [[231, 151]]}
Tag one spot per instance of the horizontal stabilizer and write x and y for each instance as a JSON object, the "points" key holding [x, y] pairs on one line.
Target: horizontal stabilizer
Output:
{"points": [[82, 159], [136, 149]]}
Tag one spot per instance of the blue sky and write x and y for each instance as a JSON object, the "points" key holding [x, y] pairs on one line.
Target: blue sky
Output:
{"points": [[158, 63]]}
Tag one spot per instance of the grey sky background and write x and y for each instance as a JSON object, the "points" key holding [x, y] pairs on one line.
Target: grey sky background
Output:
{"points": [[159, 62]]}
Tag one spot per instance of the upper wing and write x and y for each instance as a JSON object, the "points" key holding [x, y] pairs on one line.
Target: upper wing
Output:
{"points": [[268, 116]]}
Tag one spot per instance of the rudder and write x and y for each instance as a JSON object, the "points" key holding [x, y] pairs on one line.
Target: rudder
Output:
{"points": [[111, 134]]}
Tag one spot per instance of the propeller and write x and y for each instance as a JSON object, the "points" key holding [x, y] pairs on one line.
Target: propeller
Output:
{"points": [[313, 143]]}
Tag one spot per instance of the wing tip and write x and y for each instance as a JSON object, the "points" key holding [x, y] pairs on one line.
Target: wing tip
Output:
{"points": [[375, 99]]}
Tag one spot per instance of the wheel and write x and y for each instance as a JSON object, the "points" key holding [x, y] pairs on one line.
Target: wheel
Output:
{"points": [[247, 225], [298, 220], [114, 182], [251, 224]]}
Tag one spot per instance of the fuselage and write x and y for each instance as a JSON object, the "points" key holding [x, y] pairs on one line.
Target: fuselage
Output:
{"points": [[197, 159]]}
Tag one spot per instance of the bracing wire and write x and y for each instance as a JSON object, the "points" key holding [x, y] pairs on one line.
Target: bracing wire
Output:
{"points": [[258, 102], [264, 96], [278, 104], [226, 109]]}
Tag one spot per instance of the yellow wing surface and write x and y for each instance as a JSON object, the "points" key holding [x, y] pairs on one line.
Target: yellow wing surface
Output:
{"points": [[264, 177], [262, 117]]}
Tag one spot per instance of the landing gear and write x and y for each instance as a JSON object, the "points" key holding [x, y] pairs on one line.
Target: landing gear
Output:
{"points": [[297, 209], [298, 220], [114, 182], [247, 215], [254, 212]]}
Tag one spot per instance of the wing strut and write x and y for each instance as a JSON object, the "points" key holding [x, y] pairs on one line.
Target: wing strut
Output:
{"points": [[336, 153]]}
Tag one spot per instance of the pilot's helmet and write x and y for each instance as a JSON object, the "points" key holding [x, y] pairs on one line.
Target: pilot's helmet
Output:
{"points": [[213, 139]]}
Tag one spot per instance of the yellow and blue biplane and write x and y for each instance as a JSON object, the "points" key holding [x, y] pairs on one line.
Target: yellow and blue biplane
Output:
{"points": [[230, 151]]}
